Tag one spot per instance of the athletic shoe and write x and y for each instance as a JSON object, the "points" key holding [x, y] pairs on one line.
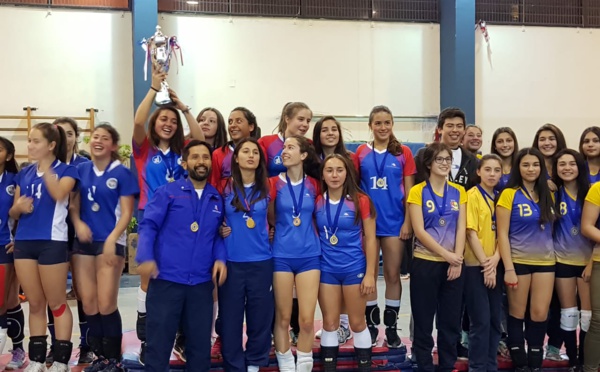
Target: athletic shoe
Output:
{"points": [[114, 366], [503, 350], [86, 355], [50, 356], [142, 356], [462, 352], [405, 276], [179, 348], [35, 367], [392, 338], [344, 335], [293, 337], [98, 365], [319, 333], [59, 367], [18, 359], [374, 331], [553, 354]]}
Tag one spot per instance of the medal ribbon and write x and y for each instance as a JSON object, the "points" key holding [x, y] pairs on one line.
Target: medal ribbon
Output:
{"points": [[98, 181], [441, 208], [574, 217], [249, 206], [535, 205], [333, 227], [379, 167], [297, 204], [487, 197], [170, 163], [197, 212]]}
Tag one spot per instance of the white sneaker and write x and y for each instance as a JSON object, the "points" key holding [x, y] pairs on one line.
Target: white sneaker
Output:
{"points": [[35, 367], [59, 367], [18, 359], [344, 335], [319, 333]]}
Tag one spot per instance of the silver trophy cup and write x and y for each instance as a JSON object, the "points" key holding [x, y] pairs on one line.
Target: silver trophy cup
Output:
{"points": [[160, 52]]}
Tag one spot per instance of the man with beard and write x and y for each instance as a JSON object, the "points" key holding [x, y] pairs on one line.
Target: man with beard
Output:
{"points": [[181, 250]]}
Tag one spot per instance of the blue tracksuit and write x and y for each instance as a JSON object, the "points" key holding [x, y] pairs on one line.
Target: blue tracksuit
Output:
{"points": [[180, 232]]}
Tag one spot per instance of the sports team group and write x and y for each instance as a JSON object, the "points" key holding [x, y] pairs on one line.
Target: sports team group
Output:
{"points": [[240, 236]]}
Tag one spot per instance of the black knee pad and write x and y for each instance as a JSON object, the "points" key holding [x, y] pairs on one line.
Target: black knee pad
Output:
{"points": [[140, 327], [363, 357], [518, 355], [373, 315], [390, 318], [329, 355], [63, 351], [37, 348], [536, 356]]}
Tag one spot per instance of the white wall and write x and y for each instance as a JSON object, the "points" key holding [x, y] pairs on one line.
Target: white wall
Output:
{"points": [[336, 67], [538, 75], [65, 62]]}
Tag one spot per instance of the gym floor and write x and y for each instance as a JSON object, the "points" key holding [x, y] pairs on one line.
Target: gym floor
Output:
{"points": [[128, 308]]}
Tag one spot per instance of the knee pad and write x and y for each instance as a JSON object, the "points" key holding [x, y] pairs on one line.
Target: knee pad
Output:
{"points": [[569, 319], [140, 327], [586, 319], [59, 311], [374, 317], [390, 317]]}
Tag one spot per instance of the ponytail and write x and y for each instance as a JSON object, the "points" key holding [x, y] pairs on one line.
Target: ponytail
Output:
{"points": [[54, 133]]}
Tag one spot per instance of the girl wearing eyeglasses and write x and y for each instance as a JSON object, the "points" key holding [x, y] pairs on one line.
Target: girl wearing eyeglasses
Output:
{"points": [[438, 215]]}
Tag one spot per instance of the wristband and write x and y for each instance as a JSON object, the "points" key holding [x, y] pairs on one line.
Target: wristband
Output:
{"points": [[154, 89], [186, 110]]}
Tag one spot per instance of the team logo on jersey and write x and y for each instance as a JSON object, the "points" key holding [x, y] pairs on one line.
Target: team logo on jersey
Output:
{"points": [[179, 160], [111, 183], [361, 275], [10, 190], [216, 210], [157, 159], [277, 160], [454, 205]]}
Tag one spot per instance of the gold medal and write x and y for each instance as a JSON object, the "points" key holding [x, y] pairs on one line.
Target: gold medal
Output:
{"points": [[171, 179], [297, 221], [194, 226], [250, 223], [380, 183], [333, 240]]}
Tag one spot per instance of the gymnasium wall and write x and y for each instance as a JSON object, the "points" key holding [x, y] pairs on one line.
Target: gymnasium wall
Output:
{"points": [[64, 62], [537, 75], [67, 61]]}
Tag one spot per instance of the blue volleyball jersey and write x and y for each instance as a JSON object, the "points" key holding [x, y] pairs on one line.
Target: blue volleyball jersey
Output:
{"points": [[348, 254], [155, 168], [442, 232], [245, 244], [570, 246], [77, 159], [272, 147], [502, 182], [7, 197], [102, 190], [530, 244], [48, 219], [294, 241], [593, 177], [389, 197]]}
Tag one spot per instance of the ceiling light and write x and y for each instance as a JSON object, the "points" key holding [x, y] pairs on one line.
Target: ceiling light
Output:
{"points": [[192, 2]]}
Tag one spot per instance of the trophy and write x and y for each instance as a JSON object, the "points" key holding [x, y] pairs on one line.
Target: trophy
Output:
{"points": [[159, 49]]}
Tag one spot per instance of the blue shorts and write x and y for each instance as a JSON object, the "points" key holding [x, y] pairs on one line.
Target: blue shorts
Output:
{"points": [[348, 278], [5, 258], [95, 248], [45, 252], [296, 265]]}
